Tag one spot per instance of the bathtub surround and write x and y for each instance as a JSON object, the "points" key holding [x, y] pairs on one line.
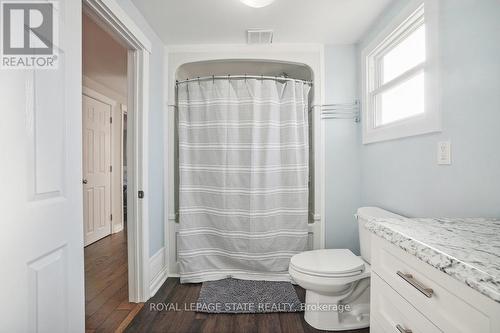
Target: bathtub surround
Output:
{"points": [[243, 186], [465, 248]]}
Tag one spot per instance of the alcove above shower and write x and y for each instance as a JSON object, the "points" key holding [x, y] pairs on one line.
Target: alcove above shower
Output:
{"points": [[242, 67]]}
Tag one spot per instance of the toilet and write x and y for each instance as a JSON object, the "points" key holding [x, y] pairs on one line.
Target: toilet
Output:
{"points": [[337, 282]]}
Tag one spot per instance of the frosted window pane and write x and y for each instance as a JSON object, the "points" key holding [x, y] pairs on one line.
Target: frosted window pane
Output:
{"points": [[407, 54], [403, 101]]}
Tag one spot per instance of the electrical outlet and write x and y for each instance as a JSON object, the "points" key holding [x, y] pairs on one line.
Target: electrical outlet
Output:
{"points": [[444, 153]]}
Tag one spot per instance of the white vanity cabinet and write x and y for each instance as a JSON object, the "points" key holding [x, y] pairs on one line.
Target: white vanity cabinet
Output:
{"points": [[411, 296]]}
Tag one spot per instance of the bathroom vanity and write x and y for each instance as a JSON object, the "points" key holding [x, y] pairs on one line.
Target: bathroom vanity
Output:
{"points": [[435, 275]]}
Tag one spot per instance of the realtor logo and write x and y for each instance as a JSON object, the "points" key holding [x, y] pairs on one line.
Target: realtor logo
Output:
{"points": [[29, 32]]}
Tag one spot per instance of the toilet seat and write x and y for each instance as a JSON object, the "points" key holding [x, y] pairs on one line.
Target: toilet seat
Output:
{"points": [[331, 263]]}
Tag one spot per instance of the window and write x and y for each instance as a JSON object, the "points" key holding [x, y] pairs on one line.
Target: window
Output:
{"points": [[398, 100]]}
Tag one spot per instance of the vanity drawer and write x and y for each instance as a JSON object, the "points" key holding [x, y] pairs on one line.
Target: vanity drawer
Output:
{"points": [[422, 286], [392, 313]]}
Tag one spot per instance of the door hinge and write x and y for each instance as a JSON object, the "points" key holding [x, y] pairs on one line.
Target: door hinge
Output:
{"points": [[141, 194], [110, 120], [111, 217], [110, 168]]}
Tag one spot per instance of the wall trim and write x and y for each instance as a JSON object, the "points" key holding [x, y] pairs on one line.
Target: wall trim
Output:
{"points": [[102, 88], [117, 20], [96, 95], [117, 228], [158, 271]]}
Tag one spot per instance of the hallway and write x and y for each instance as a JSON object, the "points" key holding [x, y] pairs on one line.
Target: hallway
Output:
{"points": [[106, 285]]}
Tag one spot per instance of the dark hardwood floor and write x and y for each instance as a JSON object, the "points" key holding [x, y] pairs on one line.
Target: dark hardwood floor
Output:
{"points": [[106, 285], [107, 308], [190, 322]]}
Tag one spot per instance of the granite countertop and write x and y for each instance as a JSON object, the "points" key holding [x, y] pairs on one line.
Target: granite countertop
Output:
{"points": [[468, 249]]}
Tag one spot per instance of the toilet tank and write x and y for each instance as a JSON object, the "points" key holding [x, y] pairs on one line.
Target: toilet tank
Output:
{"points": [[364, 214]]}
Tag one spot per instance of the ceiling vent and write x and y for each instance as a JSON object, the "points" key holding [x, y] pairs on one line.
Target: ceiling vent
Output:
{"points": [[259, 36]]}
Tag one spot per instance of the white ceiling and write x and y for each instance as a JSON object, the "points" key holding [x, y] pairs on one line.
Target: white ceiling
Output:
{"points": [[293, 21]]}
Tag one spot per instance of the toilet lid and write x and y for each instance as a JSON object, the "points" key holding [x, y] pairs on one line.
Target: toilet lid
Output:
{"points": [[328, 262]]}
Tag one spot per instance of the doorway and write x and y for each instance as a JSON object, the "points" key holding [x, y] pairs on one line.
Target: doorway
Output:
{"points": [[104, 98], [128, 233], [104, 102]]}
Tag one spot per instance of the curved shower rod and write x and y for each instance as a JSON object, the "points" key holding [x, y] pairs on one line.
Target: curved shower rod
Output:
{"points": [[243, 77]]}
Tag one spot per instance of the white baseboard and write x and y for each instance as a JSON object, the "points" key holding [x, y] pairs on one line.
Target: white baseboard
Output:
{"points": [[158, 270], [117, 228]]}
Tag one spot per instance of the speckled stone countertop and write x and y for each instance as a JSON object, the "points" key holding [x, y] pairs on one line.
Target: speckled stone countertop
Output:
{"points": [[468, 249]]}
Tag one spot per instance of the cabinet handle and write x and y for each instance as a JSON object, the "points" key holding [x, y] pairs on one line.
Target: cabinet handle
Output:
{"points": [[417, 285], [403, 330]]}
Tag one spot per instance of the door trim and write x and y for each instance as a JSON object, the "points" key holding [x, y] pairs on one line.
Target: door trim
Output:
{"points": [[112, 18], [98, 96], [123, 114]]}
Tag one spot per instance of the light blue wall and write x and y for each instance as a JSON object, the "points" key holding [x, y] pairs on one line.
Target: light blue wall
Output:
{"points": [[342, 161], [156, 95], [403, 175], [400, 175]]}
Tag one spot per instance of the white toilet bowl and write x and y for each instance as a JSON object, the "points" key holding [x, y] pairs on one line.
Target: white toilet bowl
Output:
{"points": [[337, 288], [337, 282]]}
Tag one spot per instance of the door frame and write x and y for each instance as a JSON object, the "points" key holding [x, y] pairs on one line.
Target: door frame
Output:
{"points": [[113, 19]]}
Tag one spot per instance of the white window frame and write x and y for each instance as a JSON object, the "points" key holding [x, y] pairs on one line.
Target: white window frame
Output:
{"points": [[407, 21]]}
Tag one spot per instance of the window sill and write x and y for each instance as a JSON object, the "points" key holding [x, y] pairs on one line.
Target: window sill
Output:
{"points": [[410, 127]]}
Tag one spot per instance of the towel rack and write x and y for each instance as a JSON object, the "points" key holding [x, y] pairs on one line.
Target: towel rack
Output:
{"points": [[339, 111]]}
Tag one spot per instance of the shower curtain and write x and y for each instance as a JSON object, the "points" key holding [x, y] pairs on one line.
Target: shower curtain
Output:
{"points": [[243, 178]]}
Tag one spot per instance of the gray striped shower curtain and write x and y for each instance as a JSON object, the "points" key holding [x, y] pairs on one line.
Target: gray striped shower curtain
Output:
{"points": [[243, 186]]}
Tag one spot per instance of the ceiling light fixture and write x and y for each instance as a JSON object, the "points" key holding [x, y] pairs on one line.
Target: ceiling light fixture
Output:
{"points": [[257, 3]]}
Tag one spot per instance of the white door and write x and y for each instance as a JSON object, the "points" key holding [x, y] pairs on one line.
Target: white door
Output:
{"points": [[96, 169], [41, 239]]}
